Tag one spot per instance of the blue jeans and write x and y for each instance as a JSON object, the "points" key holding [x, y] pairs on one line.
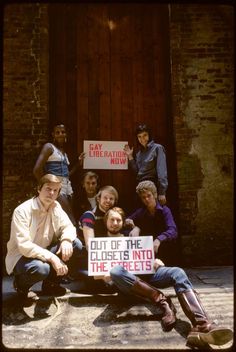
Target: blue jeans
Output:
{"points": [[164, 277], [28, 271]]}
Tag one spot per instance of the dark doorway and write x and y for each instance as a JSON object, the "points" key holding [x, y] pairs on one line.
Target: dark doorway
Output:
{"points": [[109, 70]]}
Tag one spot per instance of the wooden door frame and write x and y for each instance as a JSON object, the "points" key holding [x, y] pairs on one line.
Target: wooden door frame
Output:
{"points": [[70, 99]]}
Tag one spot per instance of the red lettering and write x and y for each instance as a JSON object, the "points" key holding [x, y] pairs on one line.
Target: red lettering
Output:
{"points": [[148, 265]]}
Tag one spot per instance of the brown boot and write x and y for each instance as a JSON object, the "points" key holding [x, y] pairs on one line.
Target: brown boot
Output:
{"points": [[151, 294], [202, 328]]}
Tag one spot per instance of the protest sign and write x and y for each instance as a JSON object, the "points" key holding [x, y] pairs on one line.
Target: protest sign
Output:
{"points": [[105, 155], [135, 254]]}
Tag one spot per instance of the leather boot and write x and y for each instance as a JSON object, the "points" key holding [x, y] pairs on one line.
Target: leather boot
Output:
{"points": [[202, 328], [153, 295]]}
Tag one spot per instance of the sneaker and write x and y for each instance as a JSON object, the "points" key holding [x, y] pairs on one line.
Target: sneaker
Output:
{"points": [[50, 288]]}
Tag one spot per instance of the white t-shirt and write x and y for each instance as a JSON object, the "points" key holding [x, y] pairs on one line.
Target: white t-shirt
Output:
{"points": [[92, 201]]}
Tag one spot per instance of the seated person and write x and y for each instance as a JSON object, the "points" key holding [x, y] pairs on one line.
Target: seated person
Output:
{"points": [[43, 245], [91, 225], [91, 222], [148, 289], [154, 219], [86, 198]]}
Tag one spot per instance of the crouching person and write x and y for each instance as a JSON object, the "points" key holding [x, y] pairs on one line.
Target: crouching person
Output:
{"points": [[43, 245], [149, 287]]}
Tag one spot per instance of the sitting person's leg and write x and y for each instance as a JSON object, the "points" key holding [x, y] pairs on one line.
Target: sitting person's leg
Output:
{"points": [[75, 259], [191, 305], [51, 285], [131, 284]]}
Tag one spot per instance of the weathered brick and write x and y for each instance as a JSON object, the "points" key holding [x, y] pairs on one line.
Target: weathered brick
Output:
{"points": [[202, 68], [202, 217], [25, 57]]}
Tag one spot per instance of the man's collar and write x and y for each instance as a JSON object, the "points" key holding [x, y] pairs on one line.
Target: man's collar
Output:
{"points": [[149, 145], [157, 207], [37, 205], [101, 210]]}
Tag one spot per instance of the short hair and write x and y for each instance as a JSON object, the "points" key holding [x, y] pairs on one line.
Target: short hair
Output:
{"points": [[145, 186], [90, 174], [60, 125], [109, 189], [48, 178], [117, 210]]}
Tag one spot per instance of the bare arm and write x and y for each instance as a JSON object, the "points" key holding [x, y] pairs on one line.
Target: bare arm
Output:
{"points": [[135, 232], [79, 164], [88, 233], [46, 151]]}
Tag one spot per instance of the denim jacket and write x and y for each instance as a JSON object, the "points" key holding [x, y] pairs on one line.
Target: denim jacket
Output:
{"points": [[150, 164]]}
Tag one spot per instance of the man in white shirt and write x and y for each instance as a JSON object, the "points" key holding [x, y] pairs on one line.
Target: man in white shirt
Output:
{"points": [[43, 244]]}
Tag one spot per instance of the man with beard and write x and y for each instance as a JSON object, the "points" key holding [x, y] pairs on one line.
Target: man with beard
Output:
{"points": [[91, 223], [148, 289]]}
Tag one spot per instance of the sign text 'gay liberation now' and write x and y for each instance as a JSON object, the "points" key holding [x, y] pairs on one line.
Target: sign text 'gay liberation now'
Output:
{"points": [[105, 155]]}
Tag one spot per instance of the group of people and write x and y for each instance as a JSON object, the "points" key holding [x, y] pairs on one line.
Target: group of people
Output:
{"points": [[48, 241]]}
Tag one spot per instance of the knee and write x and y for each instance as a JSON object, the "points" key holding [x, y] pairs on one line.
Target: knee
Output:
{"points": [[116, 272], [179, 274], [41, 268]]}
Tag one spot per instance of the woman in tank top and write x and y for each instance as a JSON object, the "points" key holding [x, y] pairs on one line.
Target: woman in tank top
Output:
{"points": [[53, 160]]}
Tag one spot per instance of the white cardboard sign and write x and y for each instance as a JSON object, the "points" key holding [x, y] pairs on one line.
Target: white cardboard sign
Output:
{"points": [[135, 254], [105, 155]]}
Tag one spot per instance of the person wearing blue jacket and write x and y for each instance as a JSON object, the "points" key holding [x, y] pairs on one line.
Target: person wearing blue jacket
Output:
{"points": [[149, 162]]}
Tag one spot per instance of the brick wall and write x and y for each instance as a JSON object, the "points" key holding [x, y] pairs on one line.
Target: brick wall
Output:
{"points": [[202, 103], [25, 100]]}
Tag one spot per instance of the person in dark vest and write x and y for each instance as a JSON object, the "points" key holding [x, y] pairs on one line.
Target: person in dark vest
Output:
{"points": [[91, 222]]}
